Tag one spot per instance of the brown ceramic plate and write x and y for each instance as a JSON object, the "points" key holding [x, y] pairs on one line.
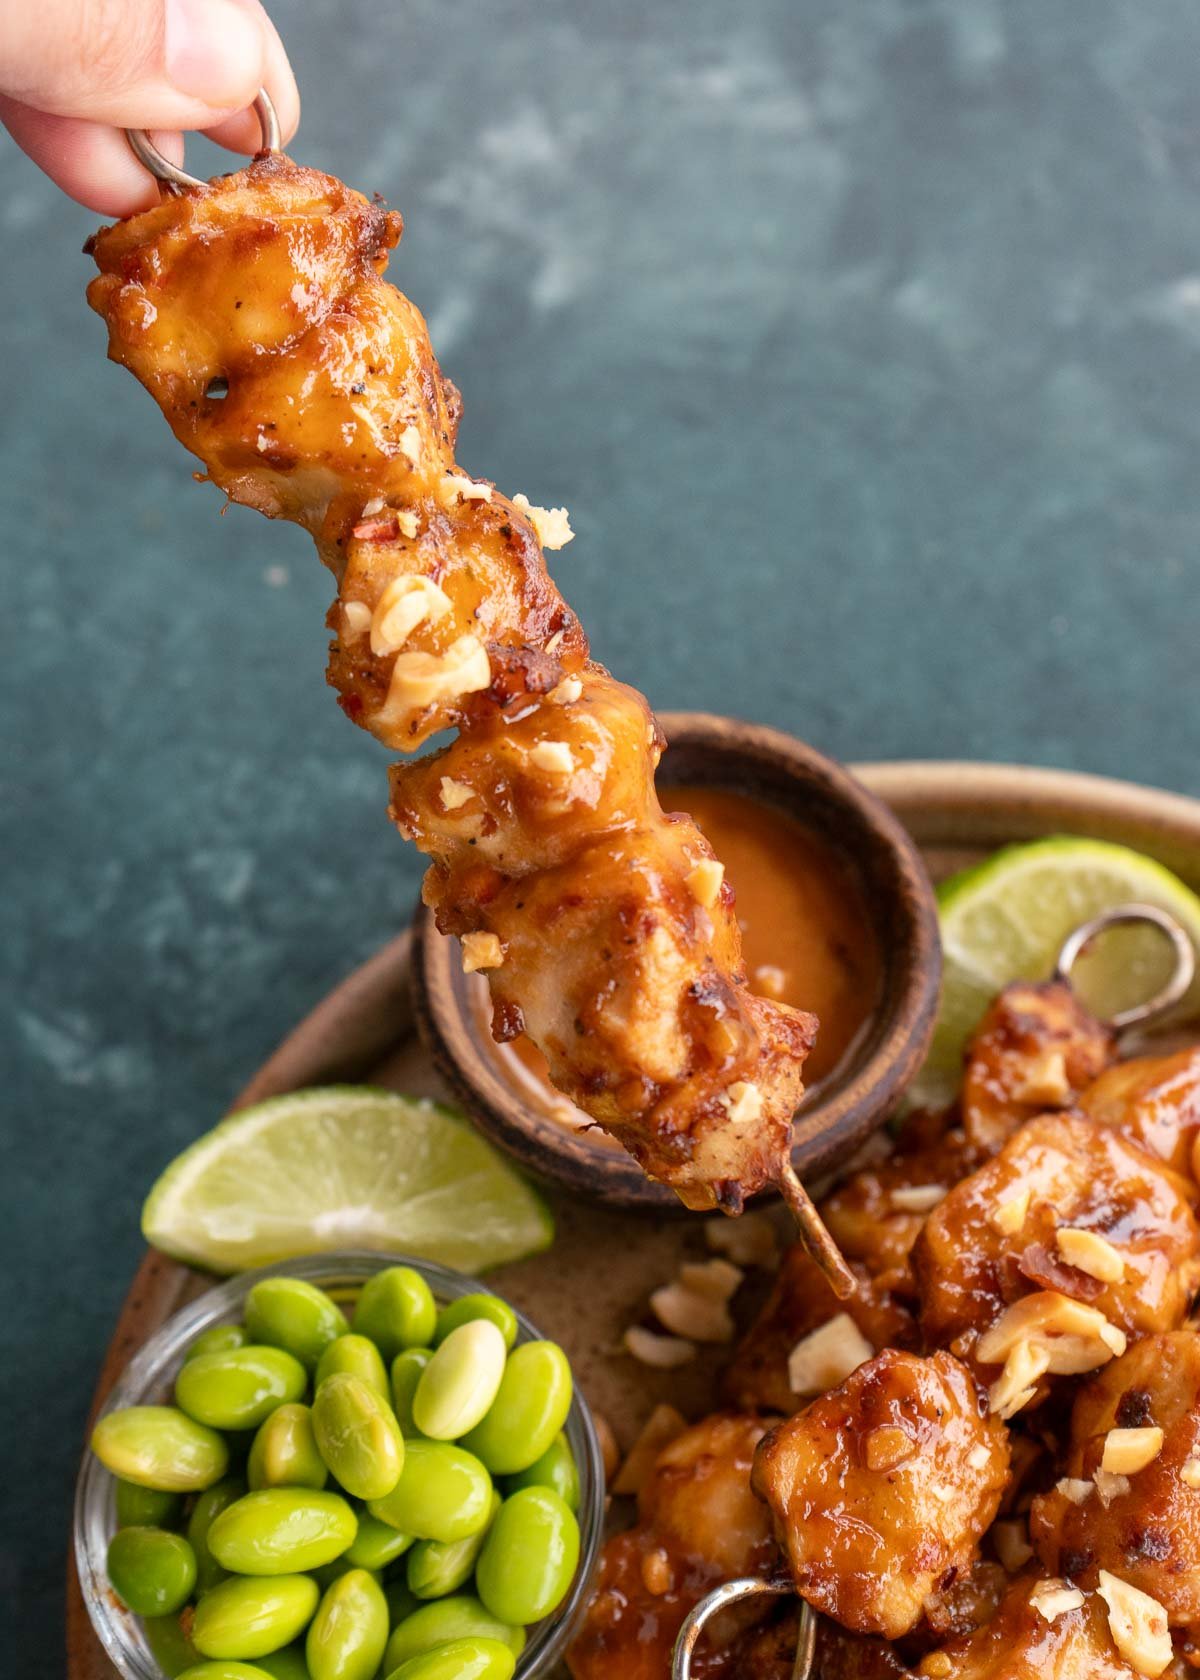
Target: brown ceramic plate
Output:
{"points": [[595, 1279]]}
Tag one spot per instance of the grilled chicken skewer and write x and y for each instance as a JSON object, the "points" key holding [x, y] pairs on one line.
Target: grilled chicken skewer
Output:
{"points": [[254, 311]]}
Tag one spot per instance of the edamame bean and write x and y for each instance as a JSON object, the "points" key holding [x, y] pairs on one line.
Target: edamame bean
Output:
{"points": [[556, 1469], [438, 1567], [406, 1374], [245, 1619], [152, 1571], [160, 1447], [360, 1357], [443, 1493], [218, 1338], [357, 1435], [204, 1513], [170, 1647], [281, 1531], [460, 1382], [529, 1557], [239, 1388], [396, 1310], [349, 1632], [288, 1313], [143, 1507], [287, 1664], [284, 1452], [462, 1617], [225, 1671], [471, 1307], [529, 1410], [461, 1659], [376, 1544]]}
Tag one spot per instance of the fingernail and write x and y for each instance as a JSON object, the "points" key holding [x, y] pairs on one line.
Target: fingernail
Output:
{"points": [[213, 50]]}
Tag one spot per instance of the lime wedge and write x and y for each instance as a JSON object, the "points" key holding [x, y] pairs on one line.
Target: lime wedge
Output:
{"points": [[1006, 919], [347, 1166]]}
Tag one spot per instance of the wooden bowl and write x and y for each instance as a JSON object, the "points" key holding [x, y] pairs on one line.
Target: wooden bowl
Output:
{"points": [[778, 770]]}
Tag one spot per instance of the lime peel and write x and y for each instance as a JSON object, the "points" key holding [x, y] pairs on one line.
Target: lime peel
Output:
{"points": [[344, 1166]]}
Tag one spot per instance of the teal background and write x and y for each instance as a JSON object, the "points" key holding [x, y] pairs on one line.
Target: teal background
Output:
{"points": [[861, 340]]}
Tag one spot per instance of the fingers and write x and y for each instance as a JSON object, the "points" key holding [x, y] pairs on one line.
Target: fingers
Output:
{"points": [[89, 161], [69, 83]]}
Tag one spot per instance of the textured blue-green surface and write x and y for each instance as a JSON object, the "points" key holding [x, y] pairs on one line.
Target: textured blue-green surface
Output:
{"points": [[863, 343]]}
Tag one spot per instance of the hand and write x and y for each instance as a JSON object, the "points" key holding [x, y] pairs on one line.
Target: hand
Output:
{"points": [[74, 73]]}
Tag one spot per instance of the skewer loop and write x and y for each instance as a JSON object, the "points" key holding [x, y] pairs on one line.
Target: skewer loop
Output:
{"points": [[175, 179]]}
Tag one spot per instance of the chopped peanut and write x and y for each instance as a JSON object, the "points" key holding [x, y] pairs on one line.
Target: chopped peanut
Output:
{"points": [[890, 1446], [1189, 1473], [688, 1313], [661, 1428], [1089, 1252], [1009, 1217], [917, 1198], [1138, 1624], [454, 794], [481, 950], [555, 757], [827, 1355], [1110, 1486], [743, 1103], [717, 1279], [936, 1666], [705, 881], [552, 526], [664, 1353], [1011, 1540], [419, 679], [1075, 1489], [405, 603], [1053, 1598], [408, 523], [1043, 1080], [750, 1240], [1045, 1333], [657, 1574], [1126, 1451], [409, 445], [356, 618], [457, 487], [566, 692]]}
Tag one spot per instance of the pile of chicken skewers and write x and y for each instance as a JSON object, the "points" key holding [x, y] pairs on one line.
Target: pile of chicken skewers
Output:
{"points": [[986, 1466]]}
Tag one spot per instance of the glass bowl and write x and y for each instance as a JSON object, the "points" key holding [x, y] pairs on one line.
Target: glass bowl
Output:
{"points": [[148, 1380]]}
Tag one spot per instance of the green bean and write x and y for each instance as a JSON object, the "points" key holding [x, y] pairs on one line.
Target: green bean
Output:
{"points": [[151, 1570], [396, 1310], [468, 1308], [286, 1664], [460, 1382], [247, 1618], [238, 1389], [160, 1447], [461, 1659], [357, 1435], [450, 1618], [204, 1513], [288, 1313], [284, 1452], [349, 1632], [406, 1374], [360, 1357], [282, 1531], [443, 1493], [528, 1411], [376, 1544], [529, 1557], [225, 1671], [143, 1507], [218, 1338], [438, 1567], [170, 1647], [556, 1469]]}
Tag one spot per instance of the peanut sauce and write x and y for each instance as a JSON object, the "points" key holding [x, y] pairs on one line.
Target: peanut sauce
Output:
{"points": [[807, 938]]}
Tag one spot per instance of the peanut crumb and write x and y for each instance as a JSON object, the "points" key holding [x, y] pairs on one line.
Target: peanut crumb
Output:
{"points": [[552, 526], [554, 757], [481, 950], [657, 1575], [1089, 1252], [566, 692], [704, 882], [1126, 1451], [1053, 1598], [770, 980], [1075, 1489], [664, 1353], [1110, 1486], [454, 794], [662, 1427], [356, 618], [743, 1103], [748, 1241], [917, 1198], [409, 445], [408, 523], [1009, 1217], [688, 1313], [979, 1457], [827, 1355], [936, 1666], [717, 1279], [1011, 1541], [887, 1447], [1138, 1624], [1189, 1473], [457, 487]]}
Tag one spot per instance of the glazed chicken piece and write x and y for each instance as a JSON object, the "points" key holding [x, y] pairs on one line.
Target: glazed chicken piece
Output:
{"points": [[1045, 1629], [255, 312], [801, 1302], [1156, 1101], [882, 1488], [1036, 1049], [698, 1524], [1045, 1260], [1129, 1499]]}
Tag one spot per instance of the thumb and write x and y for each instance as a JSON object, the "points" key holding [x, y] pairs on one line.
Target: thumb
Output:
{"points": [[134, 63]]}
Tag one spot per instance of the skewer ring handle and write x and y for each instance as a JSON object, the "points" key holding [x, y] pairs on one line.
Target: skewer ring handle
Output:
{"points": [[734, 1592], [1177, 983], [171, 176]]}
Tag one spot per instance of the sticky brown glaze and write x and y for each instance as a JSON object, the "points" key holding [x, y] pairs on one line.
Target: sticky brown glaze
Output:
{"points": [[255, 312], [800, 1301], [1020, 1644], [1062, 1171], [1146, 1528], [1156, 1101], [882, 1488], [1035, 1050], [698, 1524]]}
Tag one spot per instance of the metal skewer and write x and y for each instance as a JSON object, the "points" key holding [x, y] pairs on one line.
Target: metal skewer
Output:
{"points": [[734, 1592], [175, 179], [1168, 994]]}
